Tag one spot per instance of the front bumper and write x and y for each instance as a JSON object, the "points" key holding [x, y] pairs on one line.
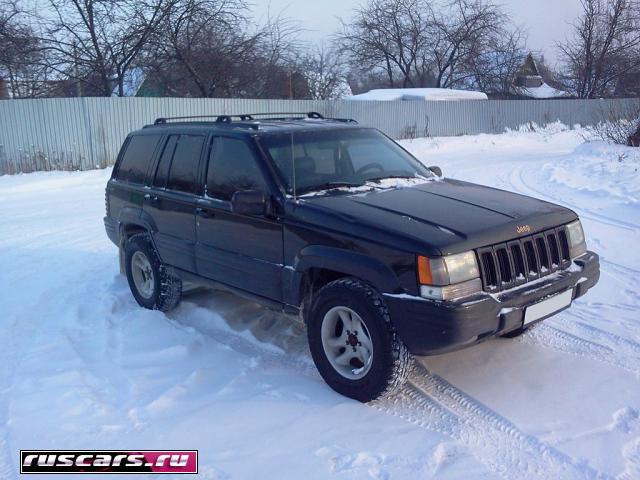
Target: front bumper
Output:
{"points": [[429, 327]]}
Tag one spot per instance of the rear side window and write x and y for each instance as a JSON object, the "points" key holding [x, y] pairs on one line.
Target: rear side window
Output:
{"points": [[233, 167], [183, 172], [135, 160]]}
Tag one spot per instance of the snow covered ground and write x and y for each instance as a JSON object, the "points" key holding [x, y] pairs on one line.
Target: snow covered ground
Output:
{"points": [[82, 366]]}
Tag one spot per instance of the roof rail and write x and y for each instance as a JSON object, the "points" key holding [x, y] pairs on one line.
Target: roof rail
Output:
{"points": [[251, 116], [219, 118]]}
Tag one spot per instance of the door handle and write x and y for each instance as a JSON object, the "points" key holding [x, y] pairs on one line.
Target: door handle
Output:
{"points": [[204, 213]]}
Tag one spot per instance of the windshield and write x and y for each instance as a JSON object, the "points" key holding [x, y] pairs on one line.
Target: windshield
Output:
{"points": [[328, 159]]}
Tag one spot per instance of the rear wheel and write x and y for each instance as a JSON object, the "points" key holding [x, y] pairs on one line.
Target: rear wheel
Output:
{"points": [[151, 284], [353, 342]]}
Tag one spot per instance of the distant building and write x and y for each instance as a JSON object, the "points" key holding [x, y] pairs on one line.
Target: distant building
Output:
{"points": [[529, 83]]}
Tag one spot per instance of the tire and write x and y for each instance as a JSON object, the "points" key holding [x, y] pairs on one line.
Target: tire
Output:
{"points": [[152, 286], [342, 368]]}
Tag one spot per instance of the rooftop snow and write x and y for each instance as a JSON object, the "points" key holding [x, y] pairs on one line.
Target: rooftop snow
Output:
{"points": [[430, 94], [543, 91]]}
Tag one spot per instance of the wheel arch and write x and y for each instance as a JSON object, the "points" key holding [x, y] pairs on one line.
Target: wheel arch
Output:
{"points": [[132, 221], [316, 266]]}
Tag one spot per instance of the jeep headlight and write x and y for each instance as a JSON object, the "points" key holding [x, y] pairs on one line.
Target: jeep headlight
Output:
{"points": [[577, 243], [449, 277]]}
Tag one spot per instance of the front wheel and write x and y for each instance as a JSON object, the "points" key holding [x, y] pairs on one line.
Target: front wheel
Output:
{"points": [[353, 343]]}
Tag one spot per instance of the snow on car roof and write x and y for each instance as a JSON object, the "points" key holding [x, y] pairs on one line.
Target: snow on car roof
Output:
{"points": [[431, 94]]}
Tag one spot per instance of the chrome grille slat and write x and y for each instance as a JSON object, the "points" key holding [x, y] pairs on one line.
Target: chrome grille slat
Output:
{"points": [[506, 265]]}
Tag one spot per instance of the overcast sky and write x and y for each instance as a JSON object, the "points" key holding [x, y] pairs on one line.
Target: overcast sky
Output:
{"points": [[546, 21]]}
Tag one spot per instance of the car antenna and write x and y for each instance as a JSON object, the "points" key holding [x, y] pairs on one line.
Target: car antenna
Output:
{"points": [[293, 168]]}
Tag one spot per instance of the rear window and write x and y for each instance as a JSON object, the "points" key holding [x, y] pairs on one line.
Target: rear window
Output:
{"points": [[135, 160]]}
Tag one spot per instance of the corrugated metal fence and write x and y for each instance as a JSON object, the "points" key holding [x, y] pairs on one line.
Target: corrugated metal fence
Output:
{"points": [[85, 133]]}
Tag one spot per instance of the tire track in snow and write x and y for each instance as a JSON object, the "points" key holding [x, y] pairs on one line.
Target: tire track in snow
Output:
{"points": [[14, 336], [428, 402], [550, 336], [518, 181], [573, 335], [431, 402]]}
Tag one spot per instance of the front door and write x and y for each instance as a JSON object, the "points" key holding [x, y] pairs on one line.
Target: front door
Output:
{"points": [[242, 251], [173, 199]]}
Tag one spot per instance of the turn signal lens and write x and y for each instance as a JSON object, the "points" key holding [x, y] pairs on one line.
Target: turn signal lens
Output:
{"points": [[424, 271], [448, 277]]}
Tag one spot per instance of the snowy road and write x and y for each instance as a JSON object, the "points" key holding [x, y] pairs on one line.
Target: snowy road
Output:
{"points": [[82, 366]]}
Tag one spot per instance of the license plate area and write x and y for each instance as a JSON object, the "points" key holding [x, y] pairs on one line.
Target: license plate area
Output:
{"points": [[547, 307]]}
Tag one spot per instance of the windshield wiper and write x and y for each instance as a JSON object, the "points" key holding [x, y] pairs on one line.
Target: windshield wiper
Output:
{"points": [[384, 177], [327, 186]]}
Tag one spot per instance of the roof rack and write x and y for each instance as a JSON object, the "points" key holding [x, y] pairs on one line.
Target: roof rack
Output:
{"points": [[251, 116]]}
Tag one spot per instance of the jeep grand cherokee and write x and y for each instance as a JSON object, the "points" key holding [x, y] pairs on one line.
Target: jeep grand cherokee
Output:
{"points": [[378, 254]]}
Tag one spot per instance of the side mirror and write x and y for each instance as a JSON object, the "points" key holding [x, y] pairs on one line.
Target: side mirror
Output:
{"points": [[437, 170], [249, 202]]}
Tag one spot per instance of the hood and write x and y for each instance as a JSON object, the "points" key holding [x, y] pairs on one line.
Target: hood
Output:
{"points": [[445, 217]]}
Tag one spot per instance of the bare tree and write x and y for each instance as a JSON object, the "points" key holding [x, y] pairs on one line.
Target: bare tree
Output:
{"points": [[275, 73], [197, 46], [459, 35], [389, 36], [604, 47], [21, 66], [98, 41], [492, 68], [324, 70], [210, 48], [421, 43]]}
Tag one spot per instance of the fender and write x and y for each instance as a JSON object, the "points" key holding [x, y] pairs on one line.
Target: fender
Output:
{"points": [[137, 216], [339, 260]]}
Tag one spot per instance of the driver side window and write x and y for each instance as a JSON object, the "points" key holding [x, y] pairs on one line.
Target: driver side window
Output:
{"points": [[233, 166]]}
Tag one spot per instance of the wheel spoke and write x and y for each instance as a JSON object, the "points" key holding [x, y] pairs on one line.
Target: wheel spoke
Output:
{"points": [[344, 358], [337, 342], [137, 261], [363, 355], [346, 319], [365, 341]]}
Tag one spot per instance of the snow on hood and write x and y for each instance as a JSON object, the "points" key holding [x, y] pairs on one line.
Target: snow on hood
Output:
{"points": [[383, 184], [431, 94]]}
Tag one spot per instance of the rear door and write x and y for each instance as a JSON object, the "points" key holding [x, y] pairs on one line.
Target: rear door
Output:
{"points": [[130, 176], [242, 251], [173, 199]]}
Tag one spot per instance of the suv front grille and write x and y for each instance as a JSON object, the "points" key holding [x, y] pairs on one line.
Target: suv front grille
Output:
{"points": [[510, 264]]}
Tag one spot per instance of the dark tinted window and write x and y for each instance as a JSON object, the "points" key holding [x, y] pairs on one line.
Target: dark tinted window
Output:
{"points": [[162, 171], [233, 167], [183, 173], [136, 158]]}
